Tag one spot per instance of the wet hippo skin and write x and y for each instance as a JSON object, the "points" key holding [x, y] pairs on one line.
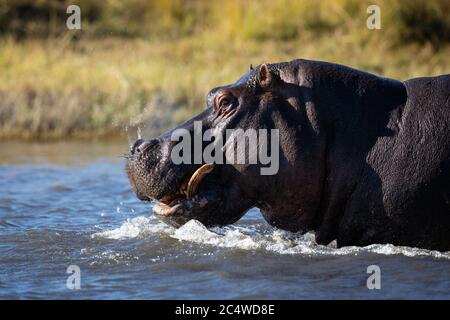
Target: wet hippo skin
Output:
{"points": [[363, 159]]}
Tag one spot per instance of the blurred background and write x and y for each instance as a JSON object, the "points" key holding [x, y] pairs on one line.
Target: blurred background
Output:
{"points": [[149, 64]]}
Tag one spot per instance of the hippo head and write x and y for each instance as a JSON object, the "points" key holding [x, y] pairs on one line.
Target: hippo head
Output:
{"points": [[190, 175]]}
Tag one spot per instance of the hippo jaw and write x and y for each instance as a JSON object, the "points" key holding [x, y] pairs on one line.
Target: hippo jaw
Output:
{"points": [[189, 202], [184, 192]]}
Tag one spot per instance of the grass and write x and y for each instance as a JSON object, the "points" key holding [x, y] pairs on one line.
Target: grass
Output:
{"points": [[89, 85]]}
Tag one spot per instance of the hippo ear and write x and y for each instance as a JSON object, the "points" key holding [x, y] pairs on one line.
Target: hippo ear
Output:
{"points": [[267, 79], [264, 76]]}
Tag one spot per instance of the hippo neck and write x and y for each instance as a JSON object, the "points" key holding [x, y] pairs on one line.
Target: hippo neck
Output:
{"points": [[354, 109]]}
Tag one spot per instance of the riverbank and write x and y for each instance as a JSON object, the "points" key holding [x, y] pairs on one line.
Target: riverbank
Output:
{"points": [[99, 82], [57, 89]]}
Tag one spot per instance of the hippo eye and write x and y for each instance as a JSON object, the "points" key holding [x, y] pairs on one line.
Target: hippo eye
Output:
{"points": [[224, 101]]}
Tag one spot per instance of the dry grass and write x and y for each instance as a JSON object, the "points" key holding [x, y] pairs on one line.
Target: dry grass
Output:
{"points": [[57, 87]]}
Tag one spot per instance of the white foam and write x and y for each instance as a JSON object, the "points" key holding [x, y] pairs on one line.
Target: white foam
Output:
{"points": [[250, 238], [284, 242], [133, 228], [195, 231]]}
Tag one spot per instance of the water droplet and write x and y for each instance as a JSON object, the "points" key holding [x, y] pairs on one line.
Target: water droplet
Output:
{"points": [[128, 137], [139, 133]]}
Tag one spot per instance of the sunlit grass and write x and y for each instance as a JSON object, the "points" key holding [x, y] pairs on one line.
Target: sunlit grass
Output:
{"points": [[54, 87]]}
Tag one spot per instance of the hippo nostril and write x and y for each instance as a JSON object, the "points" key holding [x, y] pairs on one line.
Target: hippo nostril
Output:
{"points": [[141, 146], [136, 145]]}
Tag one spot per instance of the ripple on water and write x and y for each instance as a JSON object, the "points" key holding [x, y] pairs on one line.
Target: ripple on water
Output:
{"points": [[56, 214]]}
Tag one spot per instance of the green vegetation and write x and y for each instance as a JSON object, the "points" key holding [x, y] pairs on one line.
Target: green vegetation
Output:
{"points": [[150, 63]]}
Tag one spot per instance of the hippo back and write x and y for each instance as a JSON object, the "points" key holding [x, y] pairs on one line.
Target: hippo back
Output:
{"points": [[415, 167]]}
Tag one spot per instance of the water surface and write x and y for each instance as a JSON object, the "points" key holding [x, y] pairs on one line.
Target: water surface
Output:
{"points": [[65, 204]]}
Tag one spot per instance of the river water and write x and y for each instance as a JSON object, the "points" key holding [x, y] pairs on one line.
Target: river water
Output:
{"points": [[70, 204]]}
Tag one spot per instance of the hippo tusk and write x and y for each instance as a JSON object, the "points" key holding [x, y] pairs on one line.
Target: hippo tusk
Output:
{"points": [[197, 178]]}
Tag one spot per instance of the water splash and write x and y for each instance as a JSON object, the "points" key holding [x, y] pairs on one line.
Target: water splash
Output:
{"points": [[138, 227], [250, 238], [130, 143], [138, 136], [139, 132]]}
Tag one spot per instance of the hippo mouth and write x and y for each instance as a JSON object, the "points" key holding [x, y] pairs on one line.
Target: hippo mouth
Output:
{"points": [[169, 204], [176, 208]]}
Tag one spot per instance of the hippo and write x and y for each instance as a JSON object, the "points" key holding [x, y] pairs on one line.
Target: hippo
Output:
{"points": [[363, 159]]}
